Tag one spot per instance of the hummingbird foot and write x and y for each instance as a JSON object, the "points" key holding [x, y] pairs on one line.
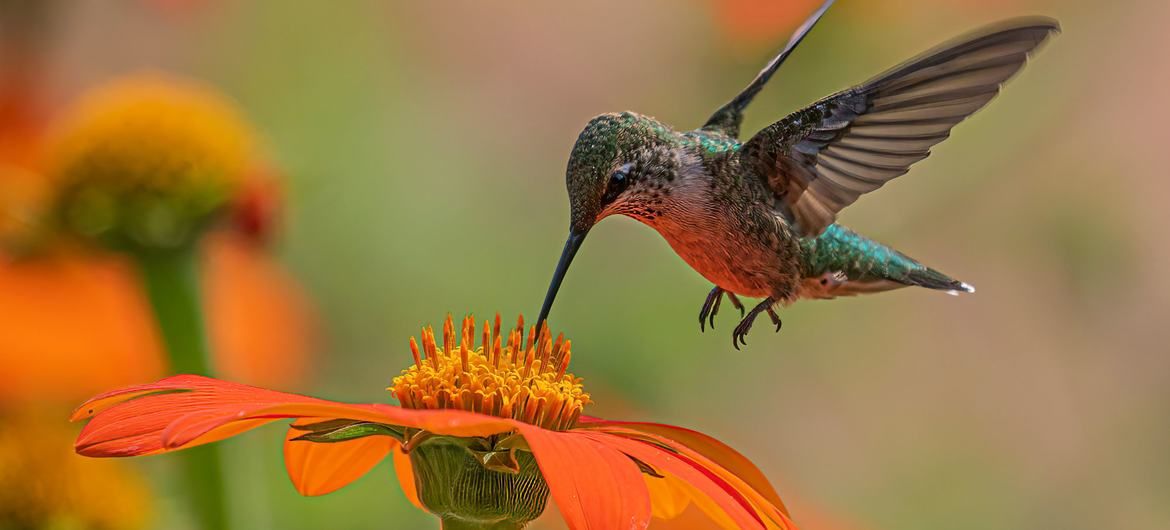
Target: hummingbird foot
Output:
{"points": [[775, 319], [740, 335], [711, 306]]}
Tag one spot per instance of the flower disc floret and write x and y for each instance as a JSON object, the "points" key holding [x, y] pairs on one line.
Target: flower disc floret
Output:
{"points": [[526, 380], [147, 160]]}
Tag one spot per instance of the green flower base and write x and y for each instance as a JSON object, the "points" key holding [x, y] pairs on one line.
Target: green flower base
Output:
{"points": [[454, 485]]}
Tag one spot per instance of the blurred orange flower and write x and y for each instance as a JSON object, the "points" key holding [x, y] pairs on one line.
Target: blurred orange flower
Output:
{"points": [[761, 22], [43, 486], [75, 322], [74, 319], [766, 23], [481, 435]]}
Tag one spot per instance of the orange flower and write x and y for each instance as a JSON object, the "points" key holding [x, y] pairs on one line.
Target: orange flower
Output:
{"points": [[761, 22], [482, 435], [766, 23], [74, 319], [42, 486], [77, 322]]}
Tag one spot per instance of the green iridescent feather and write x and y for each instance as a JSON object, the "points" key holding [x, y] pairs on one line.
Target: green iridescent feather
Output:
{"points": [[839, 249]]}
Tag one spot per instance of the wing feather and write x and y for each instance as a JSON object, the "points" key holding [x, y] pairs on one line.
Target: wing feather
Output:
{"points": [[823, 158]]}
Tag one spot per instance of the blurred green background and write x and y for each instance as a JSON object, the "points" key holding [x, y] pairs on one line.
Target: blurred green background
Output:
{"points": [[424, 145]]}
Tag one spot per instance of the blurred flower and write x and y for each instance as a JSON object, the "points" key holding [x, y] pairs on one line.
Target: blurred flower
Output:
{"points": [[76, 322], [761, 22], [767, 23], [74, 318], [43, 486], [481, 438], [147, 162], [261, 326], [23, 196]]}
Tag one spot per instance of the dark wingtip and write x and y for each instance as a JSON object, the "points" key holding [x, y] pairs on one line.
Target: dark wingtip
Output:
{"points": [[1036, 21]]}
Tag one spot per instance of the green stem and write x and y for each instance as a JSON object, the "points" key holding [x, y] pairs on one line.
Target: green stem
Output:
{"points": [[171, 280], [172, 284], [459, 524]]}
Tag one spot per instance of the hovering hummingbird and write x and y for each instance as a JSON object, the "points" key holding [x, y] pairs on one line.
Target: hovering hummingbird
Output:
{"points": [[756, 218]]}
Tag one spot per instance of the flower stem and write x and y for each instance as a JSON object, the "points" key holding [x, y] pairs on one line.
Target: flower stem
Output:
{"points": [[172, 285], [459, 524]]}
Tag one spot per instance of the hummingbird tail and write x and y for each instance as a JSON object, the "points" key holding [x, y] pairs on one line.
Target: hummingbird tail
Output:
{"points": [[863, 265], [932, 279]]}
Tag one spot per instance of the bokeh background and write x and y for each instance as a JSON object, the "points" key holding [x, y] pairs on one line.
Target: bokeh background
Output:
{"points": [[421, 148]]}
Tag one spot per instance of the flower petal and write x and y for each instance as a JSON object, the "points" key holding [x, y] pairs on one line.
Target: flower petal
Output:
{"points": [[738, 508], [129, 421], [774, 516], [713, 449], [320, 468], [669, 496], [713, 512], [595, 486], [187, 410], [404, 470]]}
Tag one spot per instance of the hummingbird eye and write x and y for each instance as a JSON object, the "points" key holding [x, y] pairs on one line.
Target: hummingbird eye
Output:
{"points": [[618, 181]]}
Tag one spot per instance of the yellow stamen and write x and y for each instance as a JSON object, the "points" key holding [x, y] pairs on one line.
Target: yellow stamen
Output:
{"points": [[556, 350], [565, 356], [506, 381], [414, 351]]}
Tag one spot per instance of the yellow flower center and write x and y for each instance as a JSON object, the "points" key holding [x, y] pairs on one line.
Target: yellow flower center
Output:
{"points": [[149, 159], [526, 380]]}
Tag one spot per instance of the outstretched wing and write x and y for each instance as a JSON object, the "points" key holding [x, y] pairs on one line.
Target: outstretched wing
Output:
{"points": [[821, 159], [728, 118]]}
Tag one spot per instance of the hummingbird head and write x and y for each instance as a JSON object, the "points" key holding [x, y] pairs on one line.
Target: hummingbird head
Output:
{"points": [[621, 164]]}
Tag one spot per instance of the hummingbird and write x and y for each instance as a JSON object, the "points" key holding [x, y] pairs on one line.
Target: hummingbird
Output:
{"points": [[757, 218]]}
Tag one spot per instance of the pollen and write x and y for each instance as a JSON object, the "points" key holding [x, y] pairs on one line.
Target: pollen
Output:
{"points": [[520, 377], [149, 157]]}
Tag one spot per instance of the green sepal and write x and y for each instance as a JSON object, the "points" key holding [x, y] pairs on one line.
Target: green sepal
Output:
{"points": [[501, 461], [334, 431]]}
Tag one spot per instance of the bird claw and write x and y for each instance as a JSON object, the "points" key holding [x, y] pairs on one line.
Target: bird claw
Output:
{"points": [[775, 319], [715, 310], [711, 307], [739, 336], [735, 302]]}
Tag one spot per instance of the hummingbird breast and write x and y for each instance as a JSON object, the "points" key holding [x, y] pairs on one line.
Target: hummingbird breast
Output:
{"points": [[727, 231]]}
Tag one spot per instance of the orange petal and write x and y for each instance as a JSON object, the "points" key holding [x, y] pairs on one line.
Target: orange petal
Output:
{"points": [[320, 468], [669, 496], [405, 472], [73, 326], [713, 449], [191, 428], [729, 500], [713, 512], [595, 486], [189, 410], [774, 517], [260, 325]]}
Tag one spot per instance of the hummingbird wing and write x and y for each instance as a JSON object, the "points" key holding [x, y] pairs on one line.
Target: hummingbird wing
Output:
{"points": [[821, 159], [730, 116]]}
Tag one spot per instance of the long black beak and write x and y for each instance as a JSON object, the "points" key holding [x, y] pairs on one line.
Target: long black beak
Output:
{"points": [[571, 246]]}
